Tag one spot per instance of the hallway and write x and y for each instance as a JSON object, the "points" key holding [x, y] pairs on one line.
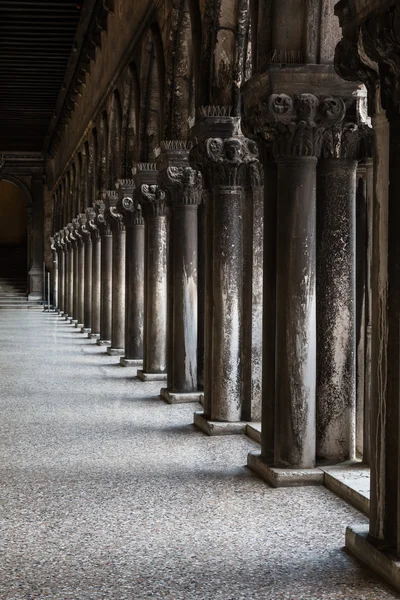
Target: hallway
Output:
{"points": [[109, 493]]}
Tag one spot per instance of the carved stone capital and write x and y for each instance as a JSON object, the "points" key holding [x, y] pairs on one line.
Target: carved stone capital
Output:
{"points": [[295, 124], [100, 221], [183, 183], [53, 244], [77, 231], [84, 230], [91, 223], [111, 214], [153, 200]]}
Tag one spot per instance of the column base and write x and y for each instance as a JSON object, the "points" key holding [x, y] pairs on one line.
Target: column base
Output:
{"points": [[79, 325], [277, 477], [72, 321], [115, 351], [218, 427], [130, 362], [151, 376], [66, 317], [103, 342], [86, 330], [179, 397], [94, 336], [378, 559]]}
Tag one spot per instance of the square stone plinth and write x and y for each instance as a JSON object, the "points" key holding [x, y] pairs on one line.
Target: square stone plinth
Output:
{"points": [[380, 560], [72, 321], [179, 397], [218, 427], [86, 330], [79, 325], [130, 362], [283, 477], [115, 351], [151, 376], [94, 336], [103, 342], [253, 431]]}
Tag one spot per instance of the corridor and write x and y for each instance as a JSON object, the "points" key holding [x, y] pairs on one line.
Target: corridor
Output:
{"points": [[109, 493]]}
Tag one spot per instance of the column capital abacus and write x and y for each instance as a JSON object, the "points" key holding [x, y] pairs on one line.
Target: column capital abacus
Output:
{"points": [[111, 214], [221, 151]]}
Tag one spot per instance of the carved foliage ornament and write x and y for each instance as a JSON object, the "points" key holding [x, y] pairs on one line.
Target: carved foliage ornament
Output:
{"points": [[184, 184], [130, 210], [295, 124], [153, 200], [91, 223], [224, 161], [101, 222]]}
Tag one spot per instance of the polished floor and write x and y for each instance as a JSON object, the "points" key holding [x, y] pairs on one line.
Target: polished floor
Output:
{"points": [[108, 493]]}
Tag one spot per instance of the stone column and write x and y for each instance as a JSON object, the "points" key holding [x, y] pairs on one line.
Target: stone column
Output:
{"points": [[222, 153], [183, 187], [75, 297], [154, 207], [116, 222], [36, 254], [67, 272], [61, 273], [80, 275], [87, 305], [295, 124], [131, 211], [71, 272], [336, 296], [106, 275], [96, 273], [54, 290], [253, 235]]}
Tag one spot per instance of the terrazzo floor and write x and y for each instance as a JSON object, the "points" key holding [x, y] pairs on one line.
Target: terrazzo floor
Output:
{"points": [[108, 493]]}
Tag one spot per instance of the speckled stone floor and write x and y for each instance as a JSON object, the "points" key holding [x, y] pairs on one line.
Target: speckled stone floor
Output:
{"points": [[108, 493]]}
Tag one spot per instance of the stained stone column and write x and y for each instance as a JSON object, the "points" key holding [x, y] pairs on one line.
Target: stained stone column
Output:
{"points": [[80, 275], [96, 273], [183, 187], [36, 253], [71, 268], [55, 251], [61, 273], [87, 305], [336, 299], [75, 298], [295, 124], [221, 154], [154, 207], [131, 210], [253, 235], [116, 222], [67, 251], [106, 275]]}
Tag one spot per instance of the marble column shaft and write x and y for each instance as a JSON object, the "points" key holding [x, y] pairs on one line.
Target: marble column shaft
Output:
{"points": [[183, 186], [130, 208], [106, 275], [116, 222], [61, 273], [55, 252], [70, 278], [156, 249], [336, 306], [96, 272], [88, 257]]}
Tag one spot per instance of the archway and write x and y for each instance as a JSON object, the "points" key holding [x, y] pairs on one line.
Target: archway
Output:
{"points": [[13, 232]]}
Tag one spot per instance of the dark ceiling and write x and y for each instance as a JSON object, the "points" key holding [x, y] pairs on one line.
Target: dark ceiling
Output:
{"points": [[36, 40]]}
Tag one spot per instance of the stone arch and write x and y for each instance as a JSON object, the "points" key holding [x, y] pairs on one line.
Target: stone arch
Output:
{"points": [[14, 207], [92, 167], [180, 79], [20, 184], [114, 141], [151, 97], [130, 118], [102, 162]]}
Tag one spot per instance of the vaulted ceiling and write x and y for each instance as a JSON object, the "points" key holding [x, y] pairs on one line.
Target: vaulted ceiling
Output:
{"points": [[36, 44]]}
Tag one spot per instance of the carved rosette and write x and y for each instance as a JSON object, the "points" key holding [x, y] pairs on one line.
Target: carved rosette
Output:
{"points": [[296, 124], [131, 211], [100, 221], [153, 200], [184, 185], [111, 213], [91, 223], [225, 161]]}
